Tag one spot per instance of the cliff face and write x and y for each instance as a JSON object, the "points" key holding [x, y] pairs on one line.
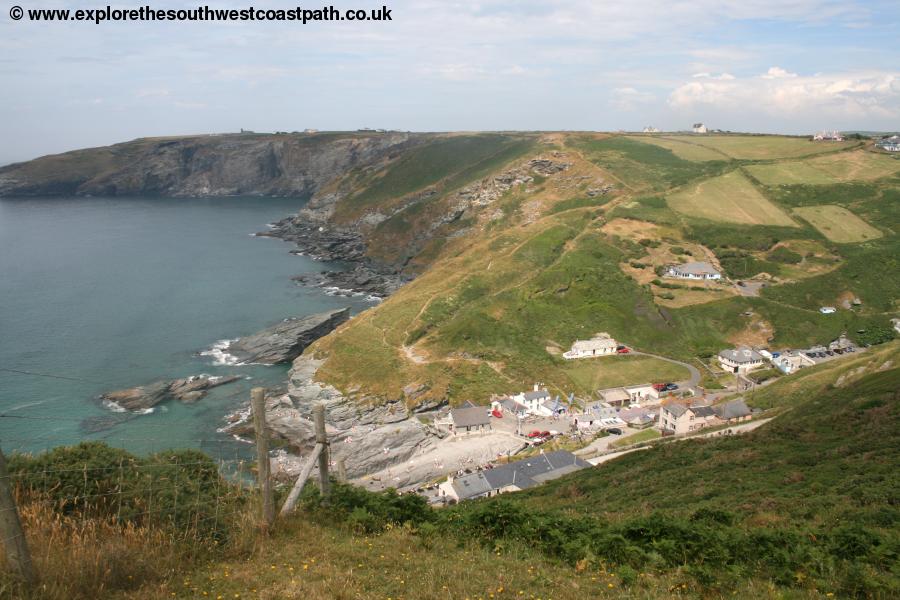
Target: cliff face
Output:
{"points": [[213, 165]]}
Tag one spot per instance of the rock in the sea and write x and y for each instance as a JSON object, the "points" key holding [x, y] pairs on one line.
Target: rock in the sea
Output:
{"points": [[190, 389], [286, 341]]}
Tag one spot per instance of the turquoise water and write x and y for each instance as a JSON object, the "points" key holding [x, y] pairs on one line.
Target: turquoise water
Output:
{"points": [[102, 294]]}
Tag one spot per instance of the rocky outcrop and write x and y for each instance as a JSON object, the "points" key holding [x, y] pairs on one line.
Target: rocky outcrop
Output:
{"points": [[287, 340], [209, 165], [369, 438], [190, 389]]}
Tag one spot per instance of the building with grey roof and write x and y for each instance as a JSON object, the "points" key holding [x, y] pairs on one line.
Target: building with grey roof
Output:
{"points": [[515, 476], [740, 360], [693, 270], [733, 411], [470, 418]]}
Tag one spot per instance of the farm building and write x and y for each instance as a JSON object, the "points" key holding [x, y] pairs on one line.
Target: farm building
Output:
{"points": [[741, 360], [693, 270], [512, 477], [699, 128], [599, 345]]}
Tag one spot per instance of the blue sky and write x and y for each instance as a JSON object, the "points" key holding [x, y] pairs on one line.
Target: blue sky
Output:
{"points": [[790, 66]]}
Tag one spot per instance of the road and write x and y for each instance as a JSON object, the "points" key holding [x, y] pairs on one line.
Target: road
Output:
{"points": [[693, 382]]}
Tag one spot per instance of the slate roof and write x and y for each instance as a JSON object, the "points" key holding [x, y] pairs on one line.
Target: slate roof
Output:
{"points": [[735, 409], [703, 411], [523, 474], [470, 416], [741, 356], [539, 395], [677, 409]]}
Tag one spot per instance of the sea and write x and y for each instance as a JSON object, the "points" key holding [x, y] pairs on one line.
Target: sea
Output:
{"points": [[101, 294]]}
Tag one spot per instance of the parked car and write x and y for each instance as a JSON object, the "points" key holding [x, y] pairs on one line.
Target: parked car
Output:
{"points": [[546, 434], [623, 351], [615, 431], [660, 387], [851, 349], [829, 352], [838, 351], [534, 434], [670, 387]]}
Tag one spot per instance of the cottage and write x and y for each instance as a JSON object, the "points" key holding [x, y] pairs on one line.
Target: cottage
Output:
{"points": [[735, 411], [741, 360], [680, 419], [701, 271], [515, 476], [699, 128], [599, 345], [534, 400], [788, 362], [510, 406], [644, 393], [470, 419]]}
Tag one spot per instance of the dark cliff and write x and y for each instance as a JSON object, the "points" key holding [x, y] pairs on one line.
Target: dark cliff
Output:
{"points": [[209, 165]]}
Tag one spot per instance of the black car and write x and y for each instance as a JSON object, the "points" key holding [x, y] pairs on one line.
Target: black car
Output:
{"points": [[829, 353], [615, 431], [671, 387]]}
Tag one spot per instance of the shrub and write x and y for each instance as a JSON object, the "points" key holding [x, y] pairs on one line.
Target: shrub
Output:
{"points": [[785, 255]]}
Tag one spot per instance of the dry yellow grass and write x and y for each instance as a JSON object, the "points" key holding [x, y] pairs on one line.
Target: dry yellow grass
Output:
{"points": [[684, 148], [730, 198], [762, 147], [859, 165], [838, 224]]}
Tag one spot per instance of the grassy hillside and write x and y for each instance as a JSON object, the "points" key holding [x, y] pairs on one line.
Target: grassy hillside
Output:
{"points": [[508, 286]]}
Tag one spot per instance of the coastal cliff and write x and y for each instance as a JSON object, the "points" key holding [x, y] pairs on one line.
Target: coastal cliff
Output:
{"points": [[204, 166]]}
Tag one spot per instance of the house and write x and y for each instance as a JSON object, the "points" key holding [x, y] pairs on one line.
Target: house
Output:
{"points": [[828, 136], [827, 310], [693, 270], [599, 345], [638, 418], [699, 128], [788, 362], [735, 411], [599, 415], [644, 393], [534, 400], [510, 406], [651, 129], [470, 419], [680, 419], [512, 477], [889, 145], [742, 360]]}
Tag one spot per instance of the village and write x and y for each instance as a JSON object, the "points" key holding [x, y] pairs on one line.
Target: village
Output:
{"points": [[521, 440]]}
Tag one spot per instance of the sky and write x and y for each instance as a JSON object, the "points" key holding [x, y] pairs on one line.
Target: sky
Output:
{"points": [[775, 66]]}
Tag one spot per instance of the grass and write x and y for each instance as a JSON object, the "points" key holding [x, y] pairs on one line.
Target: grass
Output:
{"points": [[683, 148], [643, 436], [591, 374], [838, 224], [762, 147], [841, 167], [730, 198]]}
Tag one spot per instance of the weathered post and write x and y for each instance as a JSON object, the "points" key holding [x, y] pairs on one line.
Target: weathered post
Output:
{"points": [[14, 542], [258, 407], [342, 470], [324, 455]]}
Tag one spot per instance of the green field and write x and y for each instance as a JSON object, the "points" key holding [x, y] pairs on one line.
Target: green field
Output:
{"points": [[591, 374], [730, 198], [762, 147], [838, 224], [841, 167], [683, 148]]}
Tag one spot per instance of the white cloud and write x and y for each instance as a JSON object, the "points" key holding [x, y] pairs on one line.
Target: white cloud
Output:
{"points": [[721, 77], [629, 98], [779, 92]]}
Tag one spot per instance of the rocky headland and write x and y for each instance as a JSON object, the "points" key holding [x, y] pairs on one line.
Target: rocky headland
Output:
{"points": [[144, 397], [286, 340]]}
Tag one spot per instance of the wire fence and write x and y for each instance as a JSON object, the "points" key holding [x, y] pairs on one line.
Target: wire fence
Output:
{"points": [[61, 499]]}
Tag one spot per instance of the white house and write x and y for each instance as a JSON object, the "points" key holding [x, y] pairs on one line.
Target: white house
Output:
{"points": [[536, 402], [699, 128], [741, 360], [642, 394], [828, 136], [789, 362], [651, 129], [599, 345], [693, 270]]}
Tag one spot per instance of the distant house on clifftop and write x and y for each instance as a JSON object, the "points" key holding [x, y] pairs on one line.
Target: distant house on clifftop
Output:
{"points": [[698, 128]]}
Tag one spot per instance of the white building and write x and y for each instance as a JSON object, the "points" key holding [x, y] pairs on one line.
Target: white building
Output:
{"points": [[651, 129], [599, 345], [699, 128], [536, 402], [827, 310], [742, 360], [828, 136], [693, 270]]}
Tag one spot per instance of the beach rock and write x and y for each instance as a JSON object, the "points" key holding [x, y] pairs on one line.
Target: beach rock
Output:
{"points": [[188, 390], [285, 341]]}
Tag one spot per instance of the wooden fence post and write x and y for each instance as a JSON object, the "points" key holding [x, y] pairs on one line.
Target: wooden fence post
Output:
{"points": [[342, 470], [258, 404], [324, 455], [14, 542]]}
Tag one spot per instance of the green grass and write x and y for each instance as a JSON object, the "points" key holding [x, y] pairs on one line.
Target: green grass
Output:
{"points": [[730, 198], [645, 166], [591, 374], [684, 148], [764, 147], [838, 224], [638, 438]]}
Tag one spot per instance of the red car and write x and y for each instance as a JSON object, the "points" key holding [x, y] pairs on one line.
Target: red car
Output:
{"points": [[659, 387], [545, 434], [534, 434], [623, 351]]}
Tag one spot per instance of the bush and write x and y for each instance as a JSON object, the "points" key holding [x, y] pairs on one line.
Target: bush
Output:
{"points": [[785, 255]]}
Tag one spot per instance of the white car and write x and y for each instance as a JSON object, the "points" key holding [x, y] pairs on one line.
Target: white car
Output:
{"points": [[827, 310]]}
